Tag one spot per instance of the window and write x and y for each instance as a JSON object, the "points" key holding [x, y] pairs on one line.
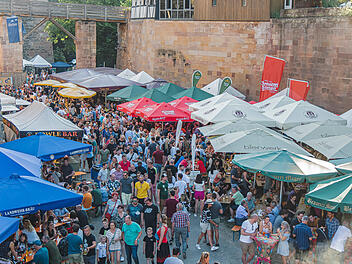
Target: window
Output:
{"points": [[213, 2], [244, 2]]}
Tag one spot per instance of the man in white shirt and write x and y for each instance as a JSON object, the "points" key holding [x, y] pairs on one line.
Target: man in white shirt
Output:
{"points": [[248, 231], [180, 185], [338, 242]]}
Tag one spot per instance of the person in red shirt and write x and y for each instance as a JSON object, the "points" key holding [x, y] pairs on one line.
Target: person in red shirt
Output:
{"points": [[158, 156], [200, 165], [124, 163], [170, 209]]}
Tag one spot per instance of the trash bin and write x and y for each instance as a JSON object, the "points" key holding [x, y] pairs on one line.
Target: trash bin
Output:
{"points": [[94, 172]]}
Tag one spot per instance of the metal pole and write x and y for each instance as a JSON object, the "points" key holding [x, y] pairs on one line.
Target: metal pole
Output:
{"points": [[281, 185]]}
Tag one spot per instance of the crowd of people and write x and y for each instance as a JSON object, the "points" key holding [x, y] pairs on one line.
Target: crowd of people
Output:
{"points": [[145, 191]]}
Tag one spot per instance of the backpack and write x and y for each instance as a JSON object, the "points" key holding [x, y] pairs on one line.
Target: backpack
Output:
{"points": [[63, 247]]}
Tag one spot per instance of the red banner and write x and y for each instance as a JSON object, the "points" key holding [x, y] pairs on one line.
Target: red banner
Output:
{"points": [[271, 77], [298, 89]]}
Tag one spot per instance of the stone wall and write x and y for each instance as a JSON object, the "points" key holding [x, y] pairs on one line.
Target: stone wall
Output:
{"points": [[86, 44], [317, 49]]}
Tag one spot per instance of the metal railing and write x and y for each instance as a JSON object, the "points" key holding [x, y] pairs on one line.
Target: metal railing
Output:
{"points": [[63, 10]]}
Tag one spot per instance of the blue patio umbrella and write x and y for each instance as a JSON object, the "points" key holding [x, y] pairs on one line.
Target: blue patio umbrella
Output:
{"points": [[47, 147], [16, 162], [8, 226], [22, 195]]}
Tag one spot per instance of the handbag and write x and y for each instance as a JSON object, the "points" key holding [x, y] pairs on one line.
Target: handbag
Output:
{"points": [[108, 215]]}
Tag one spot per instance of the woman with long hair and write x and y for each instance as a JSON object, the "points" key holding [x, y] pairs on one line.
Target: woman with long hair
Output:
{"points": [[283, 248], [163, 250], [199, 189], [29, 230], [114, 243], [204, 258]]}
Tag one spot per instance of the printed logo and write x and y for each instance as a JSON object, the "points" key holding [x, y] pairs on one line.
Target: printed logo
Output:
{"points": [[239, 114], [280, 112], [310, 115]]}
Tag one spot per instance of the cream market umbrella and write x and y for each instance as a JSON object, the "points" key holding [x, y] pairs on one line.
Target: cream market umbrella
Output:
{"points": [[286, 166], [300, 113], [332, 195], [224, 97], [317, 130], [348, 116], [273, 102], [66, 85], [47, 83], [254, 141], [231, 111], [127, 74], [214, 89], [337, 147], [76, 93], [142, 77]]}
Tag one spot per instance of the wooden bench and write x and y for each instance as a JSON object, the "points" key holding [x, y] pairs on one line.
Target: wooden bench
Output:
{"points": [[234, 230]]}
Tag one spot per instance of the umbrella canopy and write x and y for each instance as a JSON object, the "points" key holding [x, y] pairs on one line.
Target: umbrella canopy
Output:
{"points": [[12, 161], [273, 102], [76, 93], [131, 107], [254, 141], [195, 93], [318, 130], [183, 103], [224, 97], [348, 116], [337, 147], [155, 95], [26, 63], [156, 83], [66, 85], [162, 112], [300, 113], [22, 195], [127, 74], [61, 64], [142, 77], [8, 226], [104, 81], [345, 168], [39, 62], [341, 161], [47, 147], [127, 93], [22, 102], [48, 83], [332, 195], [9, 108], [107, 70], [75, 75], [214, 89], [284, 92], [230, 111], [170, 89], [227, 127], [286, 166]]}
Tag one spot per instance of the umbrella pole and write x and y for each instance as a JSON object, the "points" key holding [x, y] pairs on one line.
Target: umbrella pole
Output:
{"points": [[255, 177], [281, 185]]}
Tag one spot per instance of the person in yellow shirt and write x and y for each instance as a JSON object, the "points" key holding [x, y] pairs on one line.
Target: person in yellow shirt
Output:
{"points": [[87, 198], [141, 189]]}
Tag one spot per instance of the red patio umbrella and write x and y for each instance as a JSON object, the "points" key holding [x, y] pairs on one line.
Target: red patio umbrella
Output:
{"points": [[183, 103], [163, 112], [130, 107], [252, 102]]}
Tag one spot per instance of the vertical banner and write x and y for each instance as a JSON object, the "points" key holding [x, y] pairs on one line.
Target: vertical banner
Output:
{"points": [[271, 77], [178, 132], [196, 77], [226, 83], [12, 29], [193, 146], [298, 89]]}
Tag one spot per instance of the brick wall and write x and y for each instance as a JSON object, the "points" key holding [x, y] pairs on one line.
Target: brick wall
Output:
{"points": [[317, 49]]}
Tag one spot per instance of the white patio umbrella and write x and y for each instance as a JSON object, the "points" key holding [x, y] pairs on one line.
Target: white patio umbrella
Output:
{"points": [[230, 111], [253, 141], [127, 74], [142, 77], [214, 89], [299, 113], [348, 116], [317, 130], [284, 92], [224, 97], [337, 147], [273, 102]]}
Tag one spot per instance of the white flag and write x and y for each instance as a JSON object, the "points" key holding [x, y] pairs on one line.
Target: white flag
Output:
{"points": [[193, 145], [178, 132]]}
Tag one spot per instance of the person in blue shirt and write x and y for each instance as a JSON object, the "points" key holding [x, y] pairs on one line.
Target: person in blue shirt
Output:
{"points": [[303, 235], [134, 210], [332, 224], [75, 245], [42, 255]]}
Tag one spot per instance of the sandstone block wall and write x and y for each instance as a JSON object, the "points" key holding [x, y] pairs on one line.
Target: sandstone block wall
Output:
{"points": [[317, 49], [86, 44]]}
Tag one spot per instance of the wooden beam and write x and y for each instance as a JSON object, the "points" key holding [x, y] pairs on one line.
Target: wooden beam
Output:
{"points": [[68, 33], [42, 22]]}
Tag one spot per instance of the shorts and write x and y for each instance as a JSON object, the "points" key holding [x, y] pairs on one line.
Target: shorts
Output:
{"points": [[204, 227], [301, 254], [199, 195], [247, 248], [126, 198], [216, 221], [75, 258]]}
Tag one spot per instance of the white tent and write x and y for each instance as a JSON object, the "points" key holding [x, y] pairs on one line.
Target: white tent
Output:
{"points": [[214, 89], [224, 97], [38, 118], [273, 102], [39, 62], [22, 102], [253, 141], [127, 74], [318, 130], [299, 113], [284, 92], [348, 116], [142, 77], [338, 147], [230, 111], [26, 63], [7, 100]]}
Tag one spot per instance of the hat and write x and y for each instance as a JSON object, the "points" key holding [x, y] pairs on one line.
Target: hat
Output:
{"points": [[209, 201], [114, 193], [37, 243]]}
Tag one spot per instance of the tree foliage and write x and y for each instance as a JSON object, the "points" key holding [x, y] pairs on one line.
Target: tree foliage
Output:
{"points": [[64, 46]]}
